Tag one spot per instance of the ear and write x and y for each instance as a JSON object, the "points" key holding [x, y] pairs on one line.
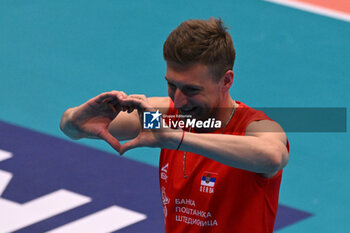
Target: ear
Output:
{"points": [[227, 80]]}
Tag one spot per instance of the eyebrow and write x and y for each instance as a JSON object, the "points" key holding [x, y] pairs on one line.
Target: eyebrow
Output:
{"points": [[185, 86]]}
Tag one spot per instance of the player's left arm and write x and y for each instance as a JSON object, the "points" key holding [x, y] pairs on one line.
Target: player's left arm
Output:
{"points": [[262, 150], [274, 134]]}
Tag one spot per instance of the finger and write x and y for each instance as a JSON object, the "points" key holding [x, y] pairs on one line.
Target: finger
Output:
{"points": [[112, 99], [131, 109], [130, 145], [133, 102], [123, 94], [119, 94], [124, 108], [116, 105], [113, 107], [112, 95], [138, 103], [112, 141], [103, 97], [138, 96]]}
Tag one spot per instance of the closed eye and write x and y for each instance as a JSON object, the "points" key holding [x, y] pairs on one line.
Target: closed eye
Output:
{"points": [[171, 86], [190, 91]]}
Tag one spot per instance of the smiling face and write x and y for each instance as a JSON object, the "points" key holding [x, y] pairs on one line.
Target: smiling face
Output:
{"points": [[194, 91]]}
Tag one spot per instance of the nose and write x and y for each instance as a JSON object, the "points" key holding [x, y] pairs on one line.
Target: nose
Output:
{"points": [[179, 99]]}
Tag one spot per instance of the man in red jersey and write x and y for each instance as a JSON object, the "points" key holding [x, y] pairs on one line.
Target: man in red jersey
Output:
{"points": [[217, 179]]}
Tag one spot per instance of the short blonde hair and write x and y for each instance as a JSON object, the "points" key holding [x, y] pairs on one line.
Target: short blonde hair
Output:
{"points": [[201, 41]]}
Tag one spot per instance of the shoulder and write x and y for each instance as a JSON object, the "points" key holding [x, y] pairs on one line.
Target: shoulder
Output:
{"points": [[264, 126], [256, 121], [267, 129], [260, 125]]}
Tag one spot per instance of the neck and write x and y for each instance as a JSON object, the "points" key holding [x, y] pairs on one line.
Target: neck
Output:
{"points": [[225, 109], [224, 112]]}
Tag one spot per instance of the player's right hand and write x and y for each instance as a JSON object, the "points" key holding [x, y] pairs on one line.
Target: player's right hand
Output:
{"points": [[91, 119]]}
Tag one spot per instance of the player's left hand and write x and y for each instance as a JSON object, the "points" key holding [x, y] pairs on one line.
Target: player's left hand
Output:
{"points": [[147, 137]]}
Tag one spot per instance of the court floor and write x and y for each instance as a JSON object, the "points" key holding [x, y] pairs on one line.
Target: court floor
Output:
{"points": [[58, 54]]}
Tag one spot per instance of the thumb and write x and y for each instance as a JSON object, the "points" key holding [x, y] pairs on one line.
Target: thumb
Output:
{"points": [[130, 145], [112, 141]]}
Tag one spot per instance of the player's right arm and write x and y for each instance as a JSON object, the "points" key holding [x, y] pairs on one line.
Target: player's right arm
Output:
{"points": [[105, 117]]}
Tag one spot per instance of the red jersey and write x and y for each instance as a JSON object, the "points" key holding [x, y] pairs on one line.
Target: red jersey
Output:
{"points": [[214, 197]]}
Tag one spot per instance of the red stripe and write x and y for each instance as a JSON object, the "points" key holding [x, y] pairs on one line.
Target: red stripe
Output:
{"points": [[338, 5]]}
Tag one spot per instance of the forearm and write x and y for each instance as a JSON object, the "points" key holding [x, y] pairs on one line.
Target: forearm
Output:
{"points": [[245, 152]]}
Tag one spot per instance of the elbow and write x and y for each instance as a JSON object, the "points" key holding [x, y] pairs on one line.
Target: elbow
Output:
{"points": [[66, 125], [278, 158], [64, 120]]}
